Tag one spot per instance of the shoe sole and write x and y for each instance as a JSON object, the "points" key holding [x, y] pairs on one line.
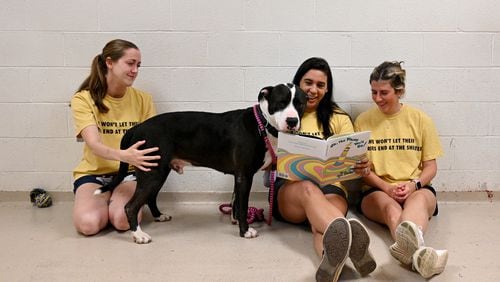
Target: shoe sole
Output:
{"points": [[428, 263], [360, 254], [336, 244], [406, 243]]}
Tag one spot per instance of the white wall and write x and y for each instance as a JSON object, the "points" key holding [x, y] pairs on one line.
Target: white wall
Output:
{"points": [[216, 55]]}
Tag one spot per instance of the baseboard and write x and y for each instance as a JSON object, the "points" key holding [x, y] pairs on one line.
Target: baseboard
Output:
{"points": [[259, 196], [188, 197]]}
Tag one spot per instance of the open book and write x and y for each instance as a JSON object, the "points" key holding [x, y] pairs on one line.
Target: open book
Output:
{"points": [[321, 161]]}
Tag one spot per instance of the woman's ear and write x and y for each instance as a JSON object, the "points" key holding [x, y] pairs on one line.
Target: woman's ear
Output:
{"points": [[400, 93], [109, 63]]}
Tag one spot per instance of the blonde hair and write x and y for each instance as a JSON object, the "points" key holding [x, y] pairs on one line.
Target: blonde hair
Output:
{"points": [[392, 72]]}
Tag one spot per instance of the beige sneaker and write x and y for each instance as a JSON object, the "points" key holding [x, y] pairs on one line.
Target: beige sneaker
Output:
{"points": [[360, 254], [336, 245], [429, 262], [409, 238]]}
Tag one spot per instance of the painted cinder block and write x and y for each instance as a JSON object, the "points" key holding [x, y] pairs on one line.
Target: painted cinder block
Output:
{"points": [[207, 15], [279, 15], [216, 56], [457, 49], [370, 49], [478, 16], [141, 15]]}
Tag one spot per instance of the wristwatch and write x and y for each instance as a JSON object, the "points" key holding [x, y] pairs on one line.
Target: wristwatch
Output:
{"points": [[418, 185]]}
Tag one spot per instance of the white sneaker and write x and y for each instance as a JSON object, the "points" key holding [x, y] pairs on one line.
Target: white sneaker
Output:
{"points": [[409, 238], [336, 246], [429, 262], [360, 254]]}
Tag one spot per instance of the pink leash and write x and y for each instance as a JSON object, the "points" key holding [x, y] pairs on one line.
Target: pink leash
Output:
{"points": [[255, 214], [273, 164]]}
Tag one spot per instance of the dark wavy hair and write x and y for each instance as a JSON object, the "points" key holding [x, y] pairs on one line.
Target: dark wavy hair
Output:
{"points": [[96, 83], [327, 107]]}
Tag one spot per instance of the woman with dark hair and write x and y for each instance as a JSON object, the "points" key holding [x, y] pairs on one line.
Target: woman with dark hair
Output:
{"points": [[324, 208], [398, 191], [104, 108], [326, 107]]}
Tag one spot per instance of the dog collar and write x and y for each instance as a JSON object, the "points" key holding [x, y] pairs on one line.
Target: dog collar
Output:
{"points": [[260, 116]]}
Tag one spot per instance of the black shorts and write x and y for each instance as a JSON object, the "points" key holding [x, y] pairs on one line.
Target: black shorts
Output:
{"points": [[373, 189], [328, 189], [100, 179]]}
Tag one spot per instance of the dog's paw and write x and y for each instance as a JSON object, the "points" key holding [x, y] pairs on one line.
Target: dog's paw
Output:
{"points": [[141, 237], [163, 217], [251, 233]]}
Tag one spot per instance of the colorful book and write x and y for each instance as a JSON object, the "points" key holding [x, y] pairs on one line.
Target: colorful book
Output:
{"points": [[321, 161]]}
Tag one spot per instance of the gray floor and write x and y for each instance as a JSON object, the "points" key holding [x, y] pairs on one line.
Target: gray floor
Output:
{"points": [[200, 244]]}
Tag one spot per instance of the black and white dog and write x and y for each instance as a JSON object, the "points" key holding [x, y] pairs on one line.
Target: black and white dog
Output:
{"points": [[229, 142]]}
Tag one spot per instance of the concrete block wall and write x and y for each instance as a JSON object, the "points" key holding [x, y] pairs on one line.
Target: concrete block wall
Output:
{"points": [[217, 55]]}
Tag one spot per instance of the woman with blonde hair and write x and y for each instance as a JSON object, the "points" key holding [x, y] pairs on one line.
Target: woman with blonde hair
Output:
{"points": [[398, 192]]}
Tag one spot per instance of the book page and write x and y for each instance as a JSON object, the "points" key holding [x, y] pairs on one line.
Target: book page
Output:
{"points": [[347, 145], [343, 153], [302, 145]]}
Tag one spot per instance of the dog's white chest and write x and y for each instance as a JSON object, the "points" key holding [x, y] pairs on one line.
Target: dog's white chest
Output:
{"points": [[268, 159]]}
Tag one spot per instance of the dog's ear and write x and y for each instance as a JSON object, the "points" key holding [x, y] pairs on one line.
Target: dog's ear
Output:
{"points": [[264, 92]]}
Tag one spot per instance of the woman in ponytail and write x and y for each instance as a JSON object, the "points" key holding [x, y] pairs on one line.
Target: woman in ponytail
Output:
{"points": [[104, 108]]}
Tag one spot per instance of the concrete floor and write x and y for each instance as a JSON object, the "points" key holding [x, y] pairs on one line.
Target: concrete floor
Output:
{"points": [[200, 244]]}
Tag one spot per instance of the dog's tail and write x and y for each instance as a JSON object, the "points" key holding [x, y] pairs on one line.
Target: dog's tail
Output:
{"points": [[122, 171]]}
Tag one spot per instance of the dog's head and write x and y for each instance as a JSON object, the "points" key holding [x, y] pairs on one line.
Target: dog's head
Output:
{"points": [[282, 106]]}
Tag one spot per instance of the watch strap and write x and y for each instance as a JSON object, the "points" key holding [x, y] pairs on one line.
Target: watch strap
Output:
{"points": [[417, 182]]}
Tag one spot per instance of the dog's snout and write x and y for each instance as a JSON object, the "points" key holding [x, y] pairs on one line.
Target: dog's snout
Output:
{"points": [[292, 122]]}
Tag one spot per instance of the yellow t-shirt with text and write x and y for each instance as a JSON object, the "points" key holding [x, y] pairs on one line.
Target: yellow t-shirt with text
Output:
{"points": [[399, 143], [339, 123], [133, 108]]}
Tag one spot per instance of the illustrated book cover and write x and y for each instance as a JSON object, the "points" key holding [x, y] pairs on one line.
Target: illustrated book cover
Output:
{"points": [[321, 161]]}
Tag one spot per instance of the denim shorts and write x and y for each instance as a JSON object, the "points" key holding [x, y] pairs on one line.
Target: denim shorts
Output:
{"points": [[100, 179], [373, 189]]}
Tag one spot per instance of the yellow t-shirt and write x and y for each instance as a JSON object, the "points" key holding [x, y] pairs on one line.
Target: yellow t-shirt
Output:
{"points": [[399, 143], [339, 123], [134, 107]]}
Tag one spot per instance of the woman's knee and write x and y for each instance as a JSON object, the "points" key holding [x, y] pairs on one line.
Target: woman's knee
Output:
{"points": [[89, 223], [423, 196], [309, 189], [423, 200], [119, 220], [392, 214]]}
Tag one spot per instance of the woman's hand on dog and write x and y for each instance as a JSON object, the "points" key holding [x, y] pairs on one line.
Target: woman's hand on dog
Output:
{"points": [[132, 155], [140, 158]]}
